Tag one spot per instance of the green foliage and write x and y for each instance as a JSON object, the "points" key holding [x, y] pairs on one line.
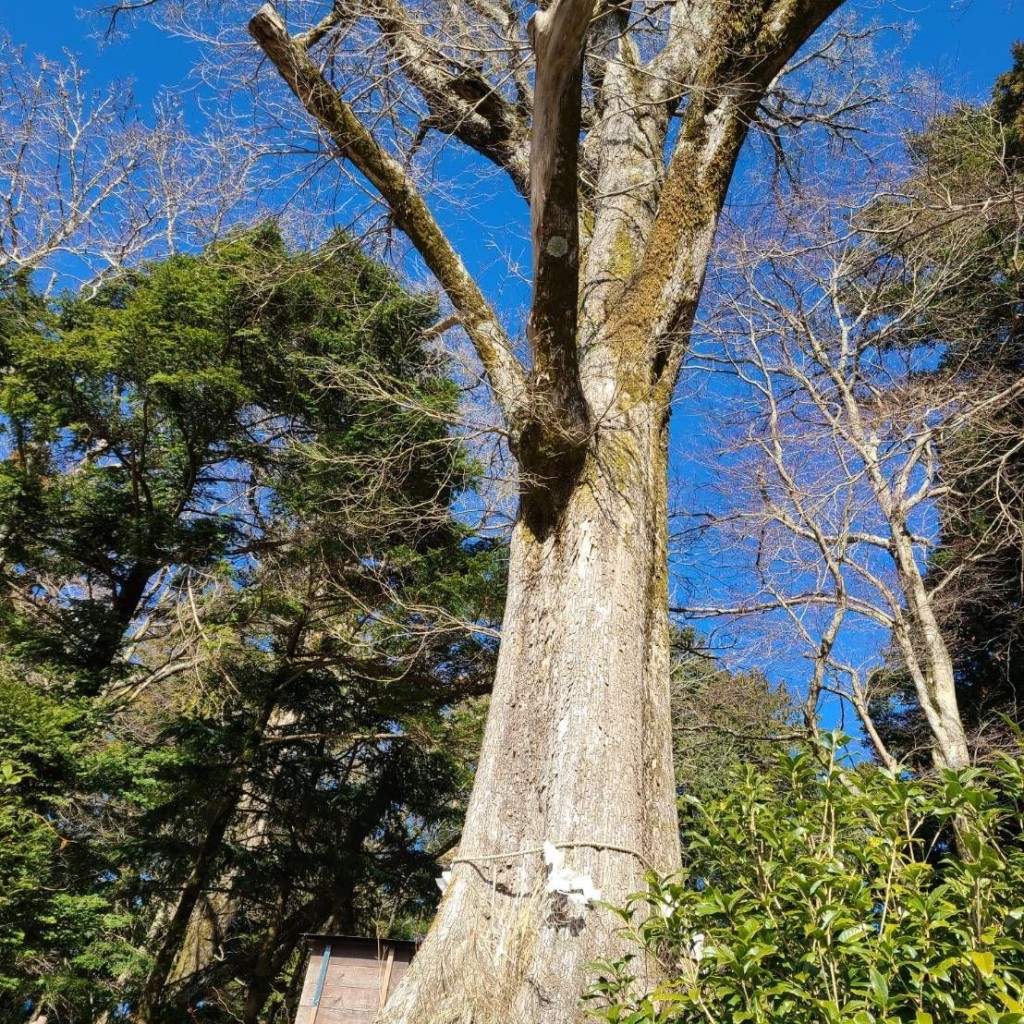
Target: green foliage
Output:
{"points": [[50, 906], [1008, 100], [848, 895], [238, 702], [131, 414], [721, 719]]}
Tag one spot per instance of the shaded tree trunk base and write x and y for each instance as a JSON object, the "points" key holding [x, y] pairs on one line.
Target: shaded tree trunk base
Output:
{"points": [[524, 956]]}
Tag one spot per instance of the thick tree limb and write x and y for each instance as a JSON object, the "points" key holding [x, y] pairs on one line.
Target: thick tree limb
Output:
{"points": [[407, 206], [621, 177], [691, 28], [557, 34], [334, 17], [464, 105], [739, 57]]}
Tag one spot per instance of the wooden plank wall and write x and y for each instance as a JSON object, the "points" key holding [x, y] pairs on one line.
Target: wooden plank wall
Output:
{"points": [[353, 984]]}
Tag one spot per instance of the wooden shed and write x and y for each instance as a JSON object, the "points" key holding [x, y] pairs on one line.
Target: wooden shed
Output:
{"points": [[349, 979]]}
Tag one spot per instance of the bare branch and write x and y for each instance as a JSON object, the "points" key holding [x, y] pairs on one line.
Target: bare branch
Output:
{"points": [[461, 103], [407, 205]]}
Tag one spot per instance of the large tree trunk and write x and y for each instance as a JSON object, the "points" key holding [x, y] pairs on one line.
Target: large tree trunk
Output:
{"points": [[577, 752]]}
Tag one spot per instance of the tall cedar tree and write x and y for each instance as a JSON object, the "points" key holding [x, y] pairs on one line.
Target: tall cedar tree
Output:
{"points": [[238, 704]]}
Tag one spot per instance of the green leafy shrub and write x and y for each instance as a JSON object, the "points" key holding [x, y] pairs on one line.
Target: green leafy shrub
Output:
{"points": [[824, 893]]}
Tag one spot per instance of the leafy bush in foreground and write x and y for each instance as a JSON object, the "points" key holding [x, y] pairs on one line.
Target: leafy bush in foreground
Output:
{"points": [[822, 893]]}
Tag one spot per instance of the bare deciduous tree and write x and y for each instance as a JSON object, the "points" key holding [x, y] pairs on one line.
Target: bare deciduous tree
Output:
{"points": [[844, 438], [578, 748], [88, 185]]}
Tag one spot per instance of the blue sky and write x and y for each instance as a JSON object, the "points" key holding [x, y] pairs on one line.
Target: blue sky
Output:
{"points": [[964, 42], [150, 59]]}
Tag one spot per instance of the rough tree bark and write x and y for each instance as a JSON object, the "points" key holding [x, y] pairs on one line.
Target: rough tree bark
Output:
{"points": [[577, 750]]}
